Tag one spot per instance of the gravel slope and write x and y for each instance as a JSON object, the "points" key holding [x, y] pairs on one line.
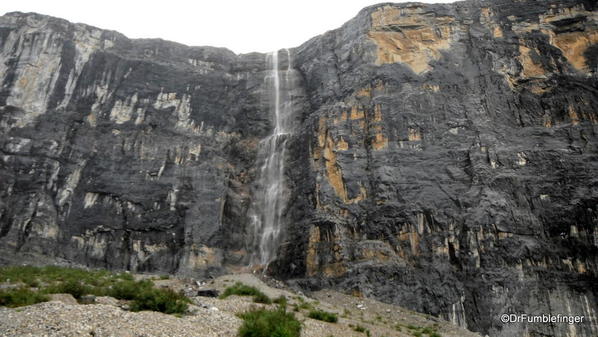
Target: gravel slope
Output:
{"points": [[212, 316]]}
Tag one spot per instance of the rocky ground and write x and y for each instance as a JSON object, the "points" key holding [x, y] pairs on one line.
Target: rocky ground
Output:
{"points": [[209, 316]]}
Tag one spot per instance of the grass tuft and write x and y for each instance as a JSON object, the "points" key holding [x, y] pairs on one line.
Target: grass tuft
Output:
{"points": [[418, 331], [360, 328], [281, 300], [245, 290], [163, 300], [323, 316], [269, 323]]}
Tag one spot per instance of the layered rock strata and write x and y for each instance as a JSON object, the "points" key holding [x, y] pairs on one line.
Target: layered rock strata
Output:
{"points": [[444, 157]]}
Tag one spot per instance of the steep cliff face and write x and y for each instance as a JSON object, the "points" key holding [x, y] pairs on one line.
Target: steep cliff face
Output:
{"points": [[125, 154], [444, 156], [452, 155]]}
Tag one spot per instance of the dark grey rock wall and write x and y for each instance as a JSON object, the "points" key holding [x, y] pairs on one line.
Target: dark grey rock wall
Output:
{"points": [[125, 153], [444, 160]]}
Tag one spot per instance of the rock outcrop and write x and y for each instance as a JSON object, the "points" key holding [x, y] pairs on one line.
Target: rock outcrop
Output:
{"points": [[444, 157]]}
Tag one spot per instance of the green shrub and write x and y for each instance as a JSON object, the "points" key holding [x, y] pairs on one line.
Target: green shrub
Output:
{"points": [[305, 305], [241, 290], [163, 300], [262, 298], [323, 316], [33, 282], [427, 330], [72, 287], [79, 282], [20, 297], [129, 290], [245, 290], [280, 300], [269, 323]]}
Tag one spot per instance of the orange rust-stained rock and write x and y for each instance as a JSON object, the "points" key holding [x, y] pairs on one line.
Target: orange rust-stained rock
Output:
{"points": [[573, 116], [380, 141], [340, 119], [326, 149], [334, 269], [486, 18], [530, 67], [377, 113], [369, 91], [413, 237], [342, 145], [408, 36], [333, 171], [357, 113], [414, 134], [573, 45], [431, 87], [497, 32], [381, 252], [311, 260], [365, 92], [547, 121]]}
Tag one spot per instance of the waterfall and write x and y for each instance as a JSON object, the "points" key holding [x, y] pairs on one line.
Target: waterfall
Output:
{"points": [[271, 196]]}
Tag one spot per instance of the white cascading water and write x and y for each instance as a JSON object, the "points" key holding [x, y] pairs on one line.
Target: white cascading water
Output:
{"points": [[271, 196]]}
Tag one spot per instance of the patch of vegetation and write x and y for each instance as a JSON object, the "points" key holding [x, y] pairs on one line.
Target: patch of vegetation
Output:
{"points": [[281, 300], [262, 298], [269, 323], [419, 331], [304, 305], [360, 328], [163, 300], [245, 290], [80, 282], [323, 316], [51, 274], [129, 290], [240, 289], [20, 296], [73, 287]]}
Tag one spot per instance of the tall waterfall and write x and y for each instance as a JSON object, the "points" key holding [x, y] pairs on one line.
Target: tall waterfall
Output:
{"points": [[270, 199]]}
